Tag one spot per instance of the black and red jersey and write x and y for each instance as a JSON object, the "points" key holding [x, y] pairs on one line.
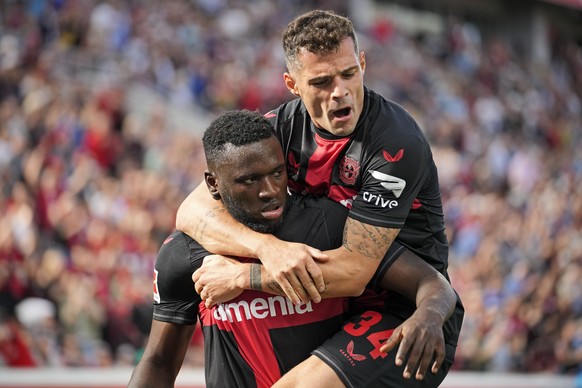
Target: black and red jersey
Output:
{"points": [[383, 172], [253, 339]]}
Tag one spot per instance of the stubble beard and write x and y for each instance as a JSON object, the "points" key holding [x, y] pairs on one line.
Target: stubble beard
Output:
{"points": [[261, 226]]}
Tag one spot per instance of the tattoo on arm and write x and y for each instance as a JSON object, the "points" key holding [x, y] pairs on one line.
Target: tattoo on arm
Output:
{"points": [[199, 230], [256, 281], [368, 240], [255, 277], [274, 287], [200, 227]]}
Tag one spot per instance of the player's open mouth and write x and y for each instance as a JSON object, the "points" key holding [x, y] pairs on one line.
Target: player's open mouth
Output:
{"points": [[272, 212], [342, 113]]}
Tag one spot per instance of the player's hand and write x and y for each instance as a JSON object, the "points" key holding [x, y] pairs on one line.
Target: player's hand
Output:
{"points": [[293, 267], [420, 337], [218, 280]]}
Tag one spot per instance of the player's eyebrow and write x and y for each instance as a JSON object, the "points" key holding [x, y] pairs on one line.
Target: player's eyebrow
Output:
{"points": [[254, 175], [326, 77]]}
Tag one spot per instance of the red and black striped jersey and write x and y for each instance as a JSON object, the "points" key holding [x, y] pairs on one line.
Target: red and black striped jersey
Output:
{"points": [[383, 172]]}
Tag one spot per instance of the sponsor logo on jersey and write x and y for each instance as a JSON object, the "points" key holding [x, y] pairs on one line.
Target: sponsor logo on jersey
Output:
{"points": [[378, 200], [391, 159], [157, 297], [349, 170], [350, 355], [389, 182], [259, 308]]}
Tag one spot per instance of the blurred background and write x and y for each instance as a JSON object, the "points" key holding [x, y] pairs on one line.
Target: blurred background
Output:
{"points": [[102, 107]]}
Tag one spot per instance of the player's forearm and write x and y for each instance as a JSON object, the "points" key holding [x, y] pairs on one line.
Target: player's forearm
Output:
{"points": [[420, 283], [163, 356], [339, 281], [435, 297], [353, 264], [345, 274], [149, 375], [206, 220]]}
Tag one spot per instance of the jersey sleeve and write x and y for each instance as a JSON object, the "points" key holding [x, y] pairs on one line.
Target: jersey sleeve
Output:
{"points": [[394, 171], [389, 258], [175, 299]]}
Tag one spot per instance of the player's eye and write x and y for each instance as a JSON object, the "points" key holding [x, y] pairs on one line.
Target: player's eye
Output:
{"points": [[320, 82], [349, 74]]}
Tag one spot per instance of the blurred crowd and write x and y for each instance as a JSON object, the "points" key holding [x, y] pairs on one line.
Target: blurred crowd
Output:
{"points": [[89, 189]]}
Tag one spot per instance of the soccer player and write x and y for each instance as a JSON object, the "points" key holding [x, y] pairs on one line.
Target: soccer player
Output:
{"points": [[256, 337], [343, 141], [246, 171]]}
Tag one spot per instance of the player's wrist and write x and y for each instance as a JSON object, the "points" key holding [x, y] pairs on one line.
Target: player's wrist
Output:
{"points": [[262, 244], [255, 282], [431, 314], [242, 280]]}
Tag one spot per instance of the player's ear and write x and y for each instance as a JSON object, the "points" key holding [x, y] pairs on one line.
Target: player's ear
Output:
{"points": [[212, 184], [290, 83], [363, 61]]}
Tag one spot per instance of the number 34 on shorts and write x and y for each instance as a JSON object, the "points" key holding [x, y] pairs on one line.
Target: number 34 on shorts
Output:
{"points": [[368, 325]]}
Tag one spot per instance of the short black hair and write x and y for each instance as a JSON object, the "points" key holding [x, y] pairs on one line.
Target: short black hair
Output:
{"points": [[235, 127]]}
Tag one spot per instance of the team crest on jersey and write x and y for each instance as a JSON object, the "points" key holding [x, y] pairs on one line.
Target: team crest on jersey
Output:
{"points": [[292, 165], [349, 170]]}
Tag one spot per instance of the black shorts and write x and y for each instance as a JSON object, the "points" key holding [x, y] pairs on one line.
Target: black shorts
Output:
{"points": [[353, 353]]}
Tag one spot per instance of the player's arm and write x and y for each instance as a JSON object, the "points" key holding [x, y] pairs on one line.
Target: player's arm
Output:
{"points": [[347, 273], [291, 265], [421, 336], [163, 355], [352, 265]]}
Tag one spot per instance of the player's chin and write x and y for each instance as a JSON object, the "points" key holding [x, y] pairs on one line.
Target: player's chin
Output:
{"points": [[342, 128], [266, 225]]}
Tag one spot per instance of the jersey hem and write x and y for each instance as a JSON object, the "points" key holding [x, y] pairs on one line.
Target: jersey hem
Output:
{"points": [[375, 221]]}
